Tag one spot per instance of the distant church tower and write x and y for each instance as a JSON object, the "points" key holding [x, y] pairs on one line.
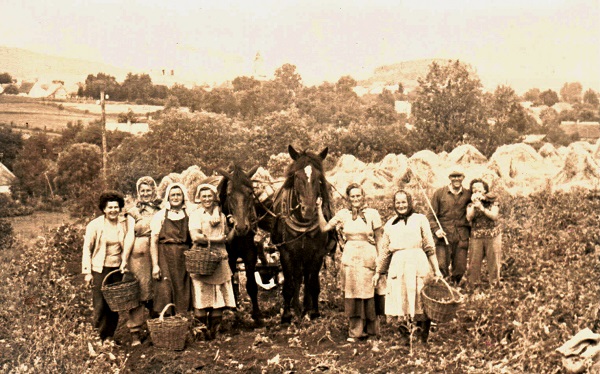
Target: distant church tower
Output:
{"points": [[258, 68]]}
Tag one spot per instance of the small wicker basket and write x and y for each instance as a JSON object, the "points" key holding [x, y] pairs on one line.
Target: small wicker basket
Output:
{"points": [[169, 332], [123, 295], [201, 260], [440, 301]]}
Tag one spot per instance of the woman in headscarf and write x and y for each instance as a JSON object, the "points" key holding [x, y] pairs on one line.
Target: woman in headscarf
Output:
{"points": [[408, 256], [170, 238], [361, 227], [139, 261], [106, 240], [212, 294]]}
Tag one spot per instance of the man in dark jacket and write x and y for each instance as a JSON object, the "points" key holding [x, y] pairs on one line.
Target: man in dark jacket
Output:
{"points": [[449, 204]]}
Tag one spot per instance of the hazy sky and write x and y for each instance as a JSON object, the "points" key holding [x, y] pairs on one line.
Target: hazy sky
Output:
{"points": [[522, 43]]}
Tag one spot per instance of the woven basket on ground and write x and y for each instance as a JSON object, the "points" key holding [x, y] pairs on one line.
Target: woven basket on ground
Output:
{"points": [[203, 261], [123, 295], [440, 301], [169, 332]]}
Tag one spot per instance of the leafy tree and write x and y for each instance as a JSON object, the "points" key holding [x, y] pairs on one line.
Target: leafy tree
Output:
{"points": [[448, 106], [244, 84], [287, 76], [11, 90], [101, 81], [220, 100], [11, 143], [78, 169], [172, 102], [137, 87], [35, 167], [5, 78], [345, 85], [509, 113], [591, 97], [571, 92], [92, 134], [549, 97], [533, 95]]}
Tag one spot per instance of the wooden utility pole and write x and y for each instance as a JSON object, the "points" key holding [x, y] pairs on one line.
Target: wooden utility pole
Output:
{"points": [[104, 151]]}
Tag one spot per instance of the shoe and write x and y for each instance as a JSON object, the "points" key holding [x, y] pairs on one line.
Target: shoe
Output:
{"points": [[135, 339], [352, 340]]}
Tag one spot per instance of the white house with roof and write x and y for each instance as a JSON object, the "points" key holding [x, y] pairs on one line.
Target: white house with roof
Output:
{"points": [[54, 90], [7, 178]]}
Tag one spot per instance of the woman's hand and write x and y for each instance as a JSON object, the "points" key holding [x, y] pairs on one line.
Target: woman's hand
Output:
{"points": [[123, 268], [156, 272], [438, 274], [88, 279], [375, 280]]}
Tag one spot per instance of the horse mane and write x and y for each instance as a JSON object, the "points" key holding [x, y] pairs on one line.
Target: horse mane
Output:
{"points": [[309, 158]]}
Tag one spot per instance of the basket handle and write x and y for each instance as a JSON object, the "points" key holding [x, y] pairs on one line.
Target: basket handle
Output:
{"points": [[161, 318], [452, 292], [108, 276]]}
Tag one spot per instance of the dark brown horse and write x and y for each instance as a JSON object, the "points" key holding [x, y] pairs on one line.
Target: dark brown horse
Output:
{"points": [[237, 199], [296, 232]]}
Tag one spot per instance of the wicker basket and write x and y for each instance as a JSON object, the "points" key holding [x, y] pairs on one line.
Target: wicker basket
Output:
{"points": [[169, 332], [203, 261], [123, 295], [440, 301]]}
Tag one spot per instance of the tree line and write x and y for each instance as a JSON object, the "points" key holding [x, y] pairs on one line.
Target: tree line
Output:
{"points": [[252, 121]]}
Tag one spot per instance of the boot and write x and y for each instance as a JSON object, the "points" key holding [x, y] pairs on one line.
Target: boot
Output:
{"points": [[214, 322], [135, 338], [403, 336], [200, 328], [423, 332]]}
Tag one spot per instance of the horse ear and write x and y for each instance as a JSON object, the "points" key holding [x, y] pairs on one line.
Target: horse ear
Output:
{"points": [[323, 153], [252, 171], [223, 173], [293, 153]]}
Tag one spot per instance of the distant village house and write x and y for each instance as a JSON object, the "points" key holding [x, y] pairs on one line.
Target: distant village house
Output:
{"points": [[7, 178], [587, 131]]}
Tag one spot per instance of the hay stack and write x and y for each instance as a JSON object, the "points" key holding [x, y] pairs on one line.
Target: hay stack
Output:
{"points": [[579, 168], [466, 154]]}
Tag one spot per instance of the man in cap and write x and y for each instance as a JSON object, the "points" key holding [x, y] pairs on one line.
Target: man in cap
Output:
{"points": [[449, 204]]}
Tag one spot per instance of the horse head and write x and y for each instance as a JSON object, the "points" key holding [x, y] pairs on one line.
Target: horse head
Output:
{"points": [[237, 196], [306, 178]]}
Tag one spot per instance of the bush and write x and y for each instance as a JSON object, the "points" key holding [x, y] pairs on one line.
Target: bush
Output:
{"points": [[7, 237], [11, 208]]}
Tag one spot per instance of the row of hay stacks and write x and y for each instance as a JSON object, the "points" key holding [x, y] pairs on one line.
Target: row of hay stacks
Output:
{"points": [[517, 169]]}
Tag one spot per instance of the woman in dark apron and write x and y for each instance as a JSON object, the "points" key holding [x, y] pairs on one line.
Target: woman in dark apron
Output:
{"points": [[170, 239]]}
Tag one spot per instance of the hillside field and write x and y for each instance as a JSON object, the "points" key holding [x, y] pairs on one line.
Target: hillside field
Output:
{"points": [[548, 293]]}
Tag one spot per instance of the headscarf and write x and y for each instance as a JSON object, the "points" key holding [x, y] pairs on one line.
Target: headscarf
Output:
{"points": [[205, 186], [360, 211], [215, 212], [409, 211], [168, 191], [154, 201]]}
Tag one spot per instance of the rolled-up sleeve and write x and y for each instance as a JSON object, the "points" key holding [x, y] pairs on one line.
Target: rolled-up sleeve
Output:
{"points": [[385, 257]]}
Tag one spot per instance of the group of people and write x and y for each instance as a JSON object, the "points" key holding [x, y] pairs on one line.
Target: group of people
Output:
{"points": [[150, 242], [384, 266]]}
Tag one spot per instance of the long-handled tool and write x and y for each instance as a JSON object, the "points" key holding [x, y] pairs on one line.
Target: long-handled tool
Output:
{"points": [[428, 202]]}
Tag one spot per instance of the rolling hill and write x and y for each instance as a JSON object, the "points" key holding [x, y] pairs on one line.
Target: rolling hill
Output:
{"points": [[26, 65]]}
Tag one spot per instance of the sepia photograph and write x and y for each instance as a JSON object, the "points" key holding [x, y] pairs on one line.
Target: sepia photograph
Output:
{"points": [[300, 186]]}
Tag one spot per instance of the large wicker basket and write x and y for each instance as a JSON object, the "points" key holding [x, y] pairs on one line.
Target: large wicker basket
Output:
{"points": [[202, 260], [169, 332], [440, 301], [122, 295]]}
